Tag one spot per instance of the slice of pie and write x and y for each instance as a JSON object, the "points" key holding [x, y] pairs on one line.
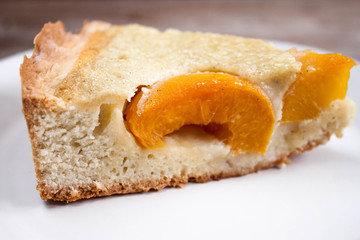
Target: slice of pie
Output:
{"points": [[122, 109]]}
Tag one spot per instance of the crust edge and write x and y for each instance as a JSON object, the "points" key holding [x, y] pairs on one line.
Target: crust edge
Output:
{"points": [[71, 195], [34, 74]]}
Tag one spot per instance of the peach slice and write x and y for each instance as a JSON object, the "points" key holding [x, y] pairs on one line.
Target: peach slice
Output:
{"points": [[234, 110], [323, 78]]}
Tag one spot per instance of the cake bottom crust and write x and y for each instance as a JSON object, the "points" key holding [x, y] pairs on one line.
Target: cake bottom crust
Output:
{"points": [[73, 193]]}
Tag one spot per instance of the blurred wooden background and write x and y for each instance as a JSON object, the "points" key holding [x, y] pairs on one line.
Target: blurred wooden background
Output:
{"points": [[328, 24]]}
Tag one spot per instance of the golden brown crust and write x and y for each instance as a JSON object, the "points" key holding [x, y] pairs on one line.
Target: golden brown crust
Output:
{"points": [[54, 50], [40, 69], [69, 195]]}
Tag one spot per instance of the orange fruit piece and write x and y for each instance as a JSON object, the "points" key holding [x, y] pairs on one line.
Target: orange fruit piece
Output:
{"points": [[323, 78], [234, 110]]}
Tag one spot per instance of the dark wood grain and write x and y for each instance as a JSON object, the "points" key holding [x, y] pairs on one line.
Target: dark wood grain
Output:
{"points": [[332, 25]]}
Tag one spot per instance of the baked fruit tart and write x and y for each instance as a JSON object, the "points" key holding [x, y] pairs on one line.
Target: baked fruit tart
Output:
{"points": [[123, 109]]}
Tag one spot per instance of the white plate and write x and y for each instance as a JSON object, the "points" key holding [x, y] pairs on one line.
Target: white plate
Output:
{"points": [[316, 197]]}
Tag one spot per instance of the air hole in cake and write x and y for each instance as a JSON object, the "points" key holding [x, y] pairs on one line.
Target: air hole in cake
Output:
{"points": [[124, 160], [122, 57], [112, 154], [75, 144], [91, 164], [125, 170], [189, 133], [104, 118], [183, 171], [229, 163]]}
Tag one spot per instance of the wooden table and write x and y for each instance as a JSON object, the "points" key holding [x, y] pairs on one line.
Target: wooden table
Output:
{"points": [[328, 24]]}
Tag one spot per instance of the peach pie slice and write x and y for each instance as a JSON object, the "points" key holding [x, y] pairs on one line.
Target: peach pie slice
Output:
{"points": [[122, 109]]}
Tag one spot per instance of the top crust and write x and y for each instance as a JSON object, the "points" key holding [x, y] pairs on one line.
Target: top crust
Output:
{"points": [[63, 66], [54, 54]]}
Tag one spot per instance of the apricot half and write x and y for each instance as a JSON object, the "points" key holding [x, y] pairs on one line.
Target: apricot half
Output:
{"points": [[234, 110], [323, 78]]}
